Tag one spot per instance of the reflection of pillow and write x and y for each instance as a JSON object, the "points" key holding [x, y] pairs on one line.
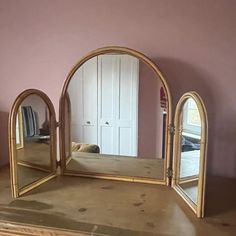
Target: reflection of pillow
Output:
{"points": [[84, 147]]}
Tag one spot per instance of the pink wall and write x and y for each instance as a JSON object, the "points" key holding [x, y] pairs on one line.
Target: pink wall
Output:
{"points": [[193, 42]]}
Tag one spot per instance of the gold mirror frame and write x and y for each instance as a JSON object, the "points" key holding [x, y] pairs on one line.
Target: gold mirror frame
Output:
{"points": [[16, 191], [155, 69], [198, 208]]}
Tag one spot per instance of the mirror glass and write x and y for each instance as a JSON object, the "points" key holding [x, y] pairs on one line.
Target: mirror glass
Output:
{"points": [[32, 140], [189, 161], [116, 118]]}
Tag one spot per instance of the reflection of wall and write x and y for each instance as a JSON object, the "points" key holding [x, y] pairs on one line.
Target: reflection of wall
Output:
{"points": [[38, 106], [150, 114]]}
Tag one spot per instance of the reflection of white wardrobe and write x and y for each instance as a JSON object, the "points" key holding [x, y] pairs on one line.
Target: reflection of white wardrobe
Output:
{"points": [[104, 104]]}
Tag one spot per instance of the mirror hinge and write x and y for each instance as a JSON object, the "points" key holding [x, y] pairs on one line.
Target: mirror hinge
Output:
{"points": [[169, 173], [171, 129]]}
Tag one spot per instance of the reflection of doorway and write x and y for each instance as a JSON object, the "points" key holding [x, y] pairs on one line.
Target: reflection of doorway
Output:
{"points": [[104, 99]]}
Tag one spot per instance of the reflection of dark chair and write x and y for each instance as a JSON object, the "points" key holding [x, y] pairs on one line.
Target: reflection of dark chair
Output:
{"points": [[44, 132], [83, 147], [190, 144]]}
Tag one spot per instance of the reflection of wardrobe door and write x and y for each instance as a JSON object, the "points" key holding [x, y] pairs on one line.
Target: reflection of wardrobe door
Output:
{"points": [[108, 66], [84, 119], [117, 104], [127, 106]]}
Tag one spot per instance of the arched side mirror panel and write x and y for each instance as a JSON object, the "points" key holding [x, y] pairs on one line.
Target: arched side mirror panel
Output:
{"points": [[190, 151], [32, 141]]}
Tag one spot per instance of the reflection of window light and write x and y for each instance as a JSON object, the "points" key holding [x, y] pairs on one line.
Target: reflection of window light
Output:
{"points": [[191, 118]]}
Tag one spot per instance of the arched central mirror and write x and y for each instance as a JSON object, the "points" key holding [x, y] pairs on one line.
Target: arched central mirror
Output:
{"points": [[115, 114]]}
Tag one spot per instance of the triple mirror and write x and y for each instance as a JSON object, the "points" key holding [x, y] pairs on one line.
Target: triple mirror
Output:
{"points": [[115, 123]]}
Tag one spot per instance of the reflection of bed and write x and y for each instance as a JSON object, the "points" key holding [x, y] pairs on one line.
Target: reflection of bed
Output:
{"points": [[83, 147], [189, 163]]}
